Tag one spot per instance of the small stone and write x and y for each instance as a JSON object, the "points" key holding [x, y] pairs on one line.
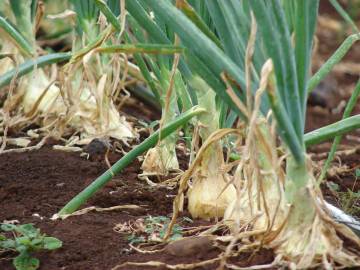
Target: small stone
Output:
{"points": [[38, 216], [324, 95], [97, 147], [189, 246]]}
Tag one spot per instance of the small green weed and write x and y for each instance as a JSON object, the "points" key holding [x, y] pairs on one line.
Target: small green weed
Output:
{"points": [[153, 229], [348, 200], [26, 240]]}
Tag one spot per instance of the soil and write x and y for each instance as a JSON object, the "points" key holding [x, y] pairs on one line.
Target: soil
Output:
{"points": [[35, 185]]}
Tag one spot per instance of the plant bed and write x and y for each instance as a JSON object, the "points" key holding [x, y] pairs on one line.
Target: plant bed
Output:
{"points": [[40, 182], [252, 146], [35, 185]]}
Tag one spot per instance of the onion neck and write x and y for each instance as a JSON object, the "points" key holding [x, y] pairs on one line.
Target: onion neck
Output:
{"points": [[297, 193]]}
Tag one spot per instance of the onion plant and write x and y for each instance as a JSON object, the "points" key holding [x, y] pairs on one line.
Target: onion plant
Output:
{"points": [[206, 188], [90, 80], [210, 192], [159, 73], [247, 63], [283, 207], [82, 95], [162, 75], [97, 65], [18, 25], [162, 159], [150, 142]]}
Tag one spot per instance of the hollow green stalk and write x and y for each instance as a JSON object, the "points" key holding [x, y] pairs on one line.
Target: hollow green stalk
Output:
{"points": [[331, 131], [151, 141], [325, 133], [345, 15], [189, 11], [104, 8], [348, 109], [31, 64], [22, 43], [332, 61], [142, 48]]}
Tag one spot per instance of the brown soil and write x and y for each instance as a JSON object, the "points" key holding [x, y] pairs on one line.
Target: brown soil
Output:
{"points": [[339, 86], [41, 182]]}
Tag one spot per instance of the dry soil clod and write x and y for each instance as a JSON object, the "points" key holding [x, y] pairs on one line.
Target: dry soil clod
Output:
{"points": [[189, 246]]}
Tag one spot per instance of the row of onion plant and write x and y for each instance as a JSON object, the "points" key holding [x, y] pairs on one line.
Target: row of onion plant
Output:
{"points": [[80, 100], [62, 101], [81, 95], [248, 65], [270, 199], [265, 76]]}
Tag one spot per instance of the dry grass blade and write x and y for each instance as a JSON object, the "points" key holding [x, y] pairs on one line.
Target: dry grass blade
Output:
{"points": [[248, 61], [27, 149], [275, 263], [99, 209], [168, 266]]}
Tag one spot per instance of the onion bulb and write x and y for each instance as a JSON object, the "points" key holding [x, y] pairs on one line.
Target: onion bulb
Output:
{"points": [[160, 159], [86, 110], [210, 193]]}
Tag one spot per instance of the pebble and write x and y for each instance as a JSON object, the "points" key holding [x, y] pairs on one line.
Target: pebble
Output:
{"points": [[324, 95], [96, 147], [189, 246]]}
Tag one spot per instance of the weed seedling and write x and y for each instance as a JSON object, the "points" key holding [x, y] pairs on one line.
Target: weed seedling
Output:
{"points": [[349, 199], [154, 229], [26, 240]]}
